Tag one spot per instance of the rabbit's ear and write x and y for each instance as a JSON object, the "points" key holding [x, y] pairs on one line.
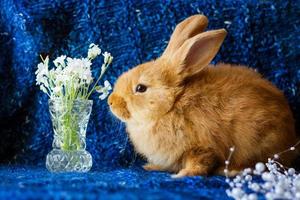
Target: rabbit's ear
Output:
{"points": [[185, 30], [197, 52]]}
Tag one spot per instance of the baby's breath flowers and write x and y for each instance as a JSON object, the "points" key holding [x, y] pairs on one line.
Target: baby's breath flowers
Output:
{"points": [[277, 181], [71, 78], [68, 83]]}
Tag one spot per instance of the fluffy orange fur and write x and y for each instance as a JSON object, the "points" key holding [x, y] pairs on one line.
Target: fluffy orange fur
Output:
{"points": [[192, 112]]}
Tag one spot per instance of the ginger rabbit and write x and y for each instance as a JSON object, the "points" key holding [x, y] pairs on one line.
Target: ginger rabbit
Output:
{"points": [[183, 114]]}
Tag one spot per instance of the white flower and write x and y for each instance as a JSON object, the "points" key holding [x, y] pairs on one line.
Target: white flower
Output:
{"points": [[42, 73], [57, 89], [43, 88], [42, 69], [104, 91], [94, 51], [62, 78], [78, 64], [60, 61], [103, 68], [107, 58], [80, 68]]}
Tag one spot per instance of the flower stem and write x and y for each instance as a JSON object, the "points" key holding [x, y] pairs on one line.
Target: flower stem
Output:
{"points": [[99, 78], [70, 133]]}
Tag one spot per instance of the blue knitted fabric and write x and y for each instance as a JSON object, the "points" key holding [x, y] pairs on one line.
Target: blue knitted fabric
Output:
{"points": [[262, 34]]}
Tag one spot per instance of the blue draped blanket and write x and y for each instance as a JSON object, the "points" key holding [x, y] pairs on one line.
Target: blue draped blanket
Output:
{"points": [[263, 34]]}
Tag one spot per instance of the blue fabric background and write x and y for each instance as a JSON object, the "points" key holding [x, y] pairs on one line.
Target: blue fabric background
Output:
{"points": [[263, 34]]}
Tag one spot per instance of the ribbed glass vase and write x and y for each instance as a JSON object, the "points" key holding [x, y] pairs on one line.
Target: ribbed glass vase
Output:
{"points": [[69, 119]]}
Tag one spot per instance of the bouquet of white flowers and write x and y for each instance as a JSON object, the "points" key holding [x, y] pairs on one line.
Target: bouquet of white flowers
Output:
{"points": [[69, 85], [71, 78]]}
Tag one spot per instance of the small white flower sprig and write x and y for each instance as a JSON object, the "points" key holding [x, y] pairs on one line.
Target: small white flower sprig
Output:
{"points": [[278, 182], [71, 78]]}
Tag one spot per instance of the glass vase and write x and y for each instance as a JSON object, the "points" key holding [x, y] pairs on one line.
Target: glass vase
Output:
{"points": [[69, 119]]}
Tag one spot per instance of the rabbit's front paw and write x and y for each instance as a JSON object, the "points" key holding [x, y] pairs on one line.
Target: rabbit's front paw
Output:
{"points": [[197, 161], [152, 167], [188, 172]]}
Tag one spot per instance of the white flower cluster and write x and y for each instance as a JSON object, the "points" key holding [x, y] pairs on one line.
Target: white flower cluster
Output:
{"points": [[72, 77], [277, 181]]}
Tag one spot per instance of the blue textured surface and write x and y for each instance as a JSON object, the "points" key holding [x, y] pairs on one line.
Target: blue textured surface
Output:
{"points": [[132, 183], [262, 34]]}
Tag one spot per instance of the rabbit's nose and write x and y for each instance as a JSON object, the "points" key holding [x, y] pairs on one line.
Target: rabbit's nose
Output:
{"points": [[118, 106], [110, 100]]}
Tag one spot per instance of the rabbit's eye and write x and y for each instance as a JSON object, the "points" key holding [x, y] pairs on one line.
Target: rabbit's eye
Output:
{"points": [[140, 88]]}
